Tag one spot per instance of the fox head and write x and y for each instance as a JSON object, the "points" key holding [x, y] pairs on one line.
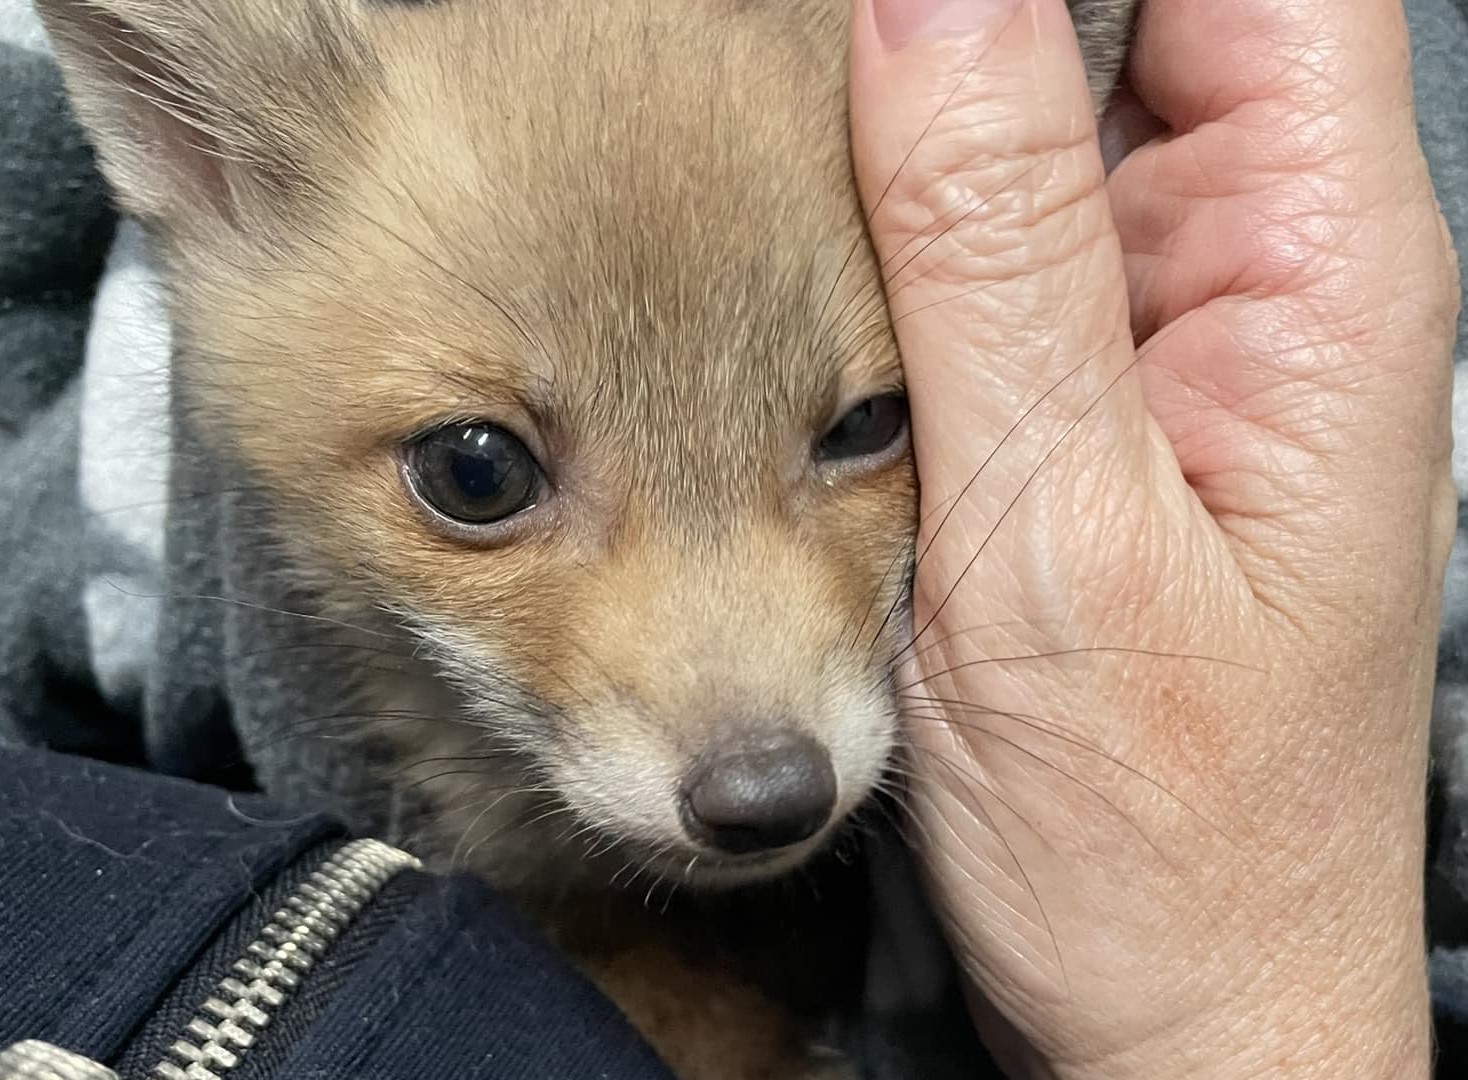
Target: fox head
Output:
{"points": [[554, 330]]}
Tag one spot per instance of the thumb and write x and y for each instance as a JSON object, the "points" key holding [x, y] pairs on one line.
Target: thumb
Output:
{"points": [[976, 157]]}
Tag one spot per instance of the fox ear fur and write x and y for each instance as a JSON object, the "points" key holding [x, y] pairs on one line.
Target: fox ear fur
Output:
{"points": [[210, 106]]}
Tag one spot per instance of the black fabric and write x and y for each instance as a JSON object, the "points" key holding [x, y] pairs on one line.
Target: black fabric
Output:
{"points": [[334, 973], [458, 989], [113, 882], [290, 1025], [149, 1044], [117, 882]]}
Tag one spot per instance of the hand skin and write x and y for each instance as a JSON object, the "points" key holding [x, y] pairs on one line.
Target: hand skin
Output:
{"points": [[1183, 836]]}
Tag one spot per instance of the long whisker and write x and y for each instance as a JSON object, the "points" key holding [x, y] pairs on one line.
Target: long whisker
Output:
{"points": [[1094, 649], [1096, 792], [1052, 730], [974, 479], [237, 602], [894, 289], [1029, 480], [927, 130], [965, 777]]}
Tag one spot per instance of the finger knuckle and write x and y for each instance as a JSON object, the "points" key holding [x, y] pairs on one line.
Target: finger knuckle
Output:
{"points": [[977, 202]]}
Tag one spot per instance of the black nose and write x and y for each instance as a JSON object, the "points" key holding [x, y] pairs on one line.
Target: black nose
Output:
{"points": [[760, 794]]}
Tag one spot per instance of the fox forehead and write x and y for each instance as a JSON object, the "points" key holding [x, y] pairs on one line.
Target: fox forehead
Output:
{"points": [[636, 235], [664, 193]]}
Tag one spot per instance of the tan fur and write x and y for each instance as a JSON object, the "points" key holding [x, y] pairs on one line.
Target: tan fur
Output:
{"points": [[626, 231], [708, 1025]]}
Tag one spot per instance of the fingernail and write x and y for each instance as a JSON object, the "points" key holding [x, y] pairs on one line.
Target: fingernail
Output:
{"points": [[901, 22]]}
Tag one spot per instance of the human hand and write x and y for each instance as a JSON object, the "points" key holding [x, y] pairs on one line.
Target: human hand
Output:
{"points": [[1176, 605]]}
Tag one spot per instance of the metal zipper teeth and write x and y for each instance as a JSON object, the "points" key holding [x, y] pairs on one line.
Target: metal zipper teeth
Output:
{"points": [[289, 945]]}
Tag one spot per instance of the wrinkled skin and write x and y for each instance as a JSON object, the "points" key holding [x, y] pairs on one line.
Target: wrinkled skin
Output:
{"points": [[1206, 863]]}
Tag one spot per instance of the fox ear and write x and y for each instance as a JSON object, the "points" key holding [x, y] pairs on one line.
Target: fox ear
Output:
{"points": [[209, 106]]}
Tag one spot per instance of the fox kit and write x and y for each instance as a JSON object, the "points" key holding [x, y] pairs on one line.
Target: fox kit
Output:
{"points": [[553, 333]]}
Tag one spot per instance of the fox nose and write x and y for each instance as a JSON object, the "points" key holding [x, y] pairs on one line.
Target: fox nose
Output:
{"points": [[759, 794]]}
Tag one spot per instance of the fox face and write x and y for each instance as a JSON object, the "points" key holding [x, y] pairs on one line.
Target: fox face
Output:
{"points": [[556, 335]]}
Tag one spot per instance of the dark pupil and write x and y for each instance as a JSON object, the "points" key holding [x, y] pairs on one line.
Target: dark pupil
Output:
{"points": [[481, 472], [476, 473], [867, 429]]}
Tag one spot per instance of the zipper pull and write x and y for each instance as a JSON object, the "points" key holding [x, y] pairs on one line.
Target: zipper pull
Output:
{"points": [[36, 1060]]}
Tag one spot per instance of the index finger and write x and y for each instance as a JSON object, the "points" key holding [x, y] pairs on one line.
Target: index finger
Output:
{"points": [[974, 149]]}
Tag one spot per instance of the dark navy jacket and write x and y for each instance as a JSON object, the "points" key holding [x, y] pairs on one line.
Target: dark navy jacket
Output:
{"points": [[126, 896]]}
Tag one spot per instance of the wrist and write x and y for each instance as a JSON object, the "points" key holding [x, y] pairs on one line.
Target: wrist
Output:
{"points": [[1370, 1031]]}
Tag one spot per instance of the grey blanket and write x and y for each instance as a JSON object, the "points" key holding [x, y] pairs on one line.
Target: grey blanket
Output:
{"points": [[139, 619]]}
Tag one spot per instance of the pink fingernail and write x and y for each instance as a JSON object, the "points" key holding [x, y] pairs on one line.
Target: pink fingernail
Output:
{"points": [[901, 22]]}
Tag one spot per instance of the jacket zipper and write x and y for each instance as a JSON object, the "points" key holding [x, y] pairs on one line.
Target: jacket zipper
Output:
{"points": [[295, 939]]}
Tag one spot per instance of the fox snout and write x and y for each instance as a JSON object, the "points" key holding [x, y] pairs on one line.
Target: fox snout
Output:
{"points": [[758, 792]]}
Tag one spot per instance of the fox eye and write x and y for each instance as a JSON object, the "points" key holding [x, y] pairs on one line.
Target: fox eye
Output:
{"points": [[475, 474], [868, 429]]}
